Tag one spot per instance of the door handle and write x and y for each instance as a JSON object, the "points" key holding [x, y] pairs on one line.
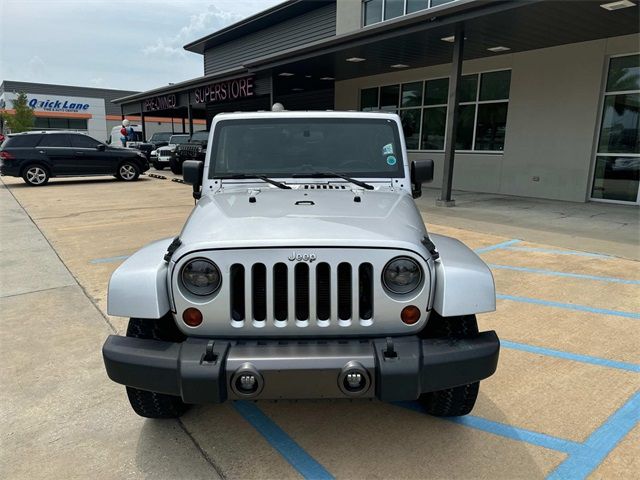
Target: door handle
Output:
{"points": [[79, 153], [40, 151]]}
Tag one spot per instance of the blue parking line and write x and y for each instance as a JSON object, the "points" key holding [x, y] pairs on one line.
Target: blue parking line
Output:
{"points": [[503, 430], [557, 252], [569, 306], [565, 274], [600, 443], [297, 457], [498, 246], [575, 357], [109, 259]]}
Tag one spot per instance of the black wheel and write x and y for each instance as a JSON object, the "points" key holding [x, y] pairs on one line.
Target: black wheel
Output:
{"points": [[152, 404], [456, 401], [128, 171], [175, 165], [36, 175], [158, 166]]}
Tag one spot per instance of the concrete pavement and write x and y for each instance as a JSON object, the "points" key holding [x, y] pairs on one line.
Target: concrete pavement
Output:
{"points": [[60, 417]]}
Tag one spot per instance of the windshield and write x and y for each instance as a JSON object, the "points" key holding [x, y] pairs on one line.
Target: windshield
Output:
{"points": [[178, 139], [366, 148], [200, 136], [160, 137]]}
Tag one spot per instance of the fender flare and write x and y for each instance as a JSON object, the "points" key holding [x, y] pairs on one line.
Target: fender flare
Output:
{"points": [[464, 283], [138, 287]]}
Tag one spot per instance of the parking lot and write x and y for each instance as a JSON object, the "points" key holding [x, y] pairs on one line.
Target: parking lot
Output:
{"points": [[564, 402]]}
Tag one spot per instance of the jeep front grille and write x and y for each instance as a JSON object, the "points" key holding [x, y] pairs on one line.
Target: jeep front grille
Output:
{"points": [[301, 292], [190, 150], [320, 293]]}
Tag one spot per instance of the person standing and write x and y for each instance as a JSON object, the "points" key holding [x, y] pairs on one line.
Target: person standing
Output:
{"points": [[124, 132]]}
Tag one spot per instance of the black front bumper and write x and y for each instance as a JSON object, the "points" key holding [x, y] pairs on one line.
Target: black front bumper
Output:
{"points": [[210, 371]]}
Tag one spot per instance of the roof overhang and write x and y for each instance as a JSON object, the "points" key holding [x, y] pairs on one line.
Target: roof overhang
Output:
{"points": [[416, 40]]}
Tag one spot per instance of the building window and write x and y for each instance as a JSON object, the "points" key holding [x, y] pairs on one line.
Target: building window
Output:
{"points": [[43, 123], [617, 167], [422, 106], [375, 11]]}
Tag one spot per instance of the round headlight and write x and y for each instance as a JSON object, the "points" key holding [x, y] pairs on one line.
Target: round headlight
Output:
{"points": [[201, 277], [402, 275]]}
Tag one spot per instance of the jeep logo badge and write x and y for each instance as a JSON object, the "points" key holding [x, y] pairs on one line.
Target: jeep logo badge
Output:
{"points": [[302, 257]]}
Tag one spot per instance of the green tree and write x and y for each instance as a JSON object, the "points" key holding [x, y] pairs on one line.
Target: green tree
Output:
{"points": [[23, 118]]}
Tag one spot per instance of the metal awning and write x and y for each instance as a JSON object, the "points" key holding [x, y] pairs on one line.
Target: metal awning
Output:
{"points": [[416, 40]]}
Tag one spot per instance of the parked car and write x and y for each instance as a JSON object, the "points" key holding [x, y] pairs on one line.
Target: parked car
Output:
{"points": [[160, 139], [194, 149], [38, 156], [164, 154], [157, 140], [305, 270]]}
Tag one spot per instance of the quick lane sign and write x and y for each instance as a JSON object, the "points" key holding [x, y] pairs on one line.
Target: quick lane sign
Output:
{"points": [[224, 91], [162, 102], [58, 105]]}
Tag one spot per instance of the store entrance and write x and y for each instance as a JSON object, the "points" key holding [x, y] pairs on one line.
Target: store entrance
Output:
{"points": [[616, 176]]}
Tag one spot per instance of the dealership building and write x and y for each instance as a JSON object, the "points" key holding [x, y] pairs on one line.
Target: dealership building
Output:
{"points": [[531, 98], [84, 109]]}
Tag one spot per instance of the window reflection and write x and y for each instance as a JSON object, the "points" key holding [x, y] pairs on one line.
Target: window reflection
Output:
{"points": [[616, 178], [620, 124]]}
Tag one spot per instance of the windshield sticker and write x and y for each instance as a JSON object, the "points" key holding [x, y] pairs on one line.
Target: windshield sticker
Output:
{"points": [[387, 149], [391, 160]]}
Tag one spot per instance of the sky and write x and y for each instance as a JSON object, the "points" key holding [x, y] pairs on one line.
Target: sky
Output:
{"points": [[121, 44]]}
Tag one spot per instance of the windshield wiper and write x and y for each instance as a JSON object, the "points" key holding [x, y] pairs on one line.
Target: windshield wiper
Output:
{"points": [[260, 177], [329, 174]]}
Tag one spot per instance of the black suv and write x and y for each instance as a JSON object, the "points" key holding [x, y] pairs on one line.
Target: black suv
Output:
{"points": [[38, 156], [195, 149]]}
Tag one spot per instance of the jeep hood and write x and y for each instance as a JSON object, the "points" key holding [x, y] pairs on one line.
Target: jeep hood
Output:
{"points": [[301, 217]]}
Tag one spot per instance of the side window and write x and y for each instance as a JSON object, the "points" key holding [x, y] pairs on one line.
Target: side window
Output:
{"points": [[21, 141], [55, 140], [83, 141]]}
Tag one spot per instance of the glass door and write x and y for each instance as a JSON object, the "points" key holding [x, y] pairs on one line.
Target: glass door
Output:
{"points": [[616, 175]]}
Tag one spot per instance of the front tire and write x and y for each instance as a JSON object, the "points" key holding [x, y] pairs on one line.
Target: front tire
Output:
{"points": [[151, 404], [176, 166], [36, 175], [128, 172], [456, 401], [158, 166]]}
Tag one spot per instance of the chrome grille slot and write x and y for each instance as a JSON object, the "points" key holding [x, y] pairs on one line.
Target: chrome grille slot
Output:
{"points": [[323, 291], [344, 291], [236, 282], [302, 291], [280, 292], [365, 279], [259, 291]]}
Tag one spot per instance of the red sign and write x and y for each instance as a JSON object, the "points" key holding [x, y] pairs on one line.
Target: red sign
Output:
{"points": [[224, 91]]}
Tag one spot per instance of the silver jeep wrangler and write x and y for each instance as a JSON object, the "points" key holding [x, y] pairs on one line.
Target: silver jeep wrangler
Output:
{"points": [[304, 271]]}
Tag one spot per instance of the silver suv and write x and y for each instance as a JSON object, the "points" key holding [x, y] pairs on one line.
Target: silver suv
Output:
{"points": [[304, 271]]}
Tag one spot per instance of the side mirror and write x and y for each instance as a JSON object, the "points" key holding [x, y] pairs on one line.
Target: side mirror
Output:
{"points": [[421, 172], [101, 147], [192, 171]]}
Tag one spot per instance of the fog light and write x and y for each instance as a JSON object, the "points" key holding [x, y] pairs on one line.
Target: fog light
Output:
{"points": [[192, 317], [410, 314], [353, 379], [247, 381]]}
